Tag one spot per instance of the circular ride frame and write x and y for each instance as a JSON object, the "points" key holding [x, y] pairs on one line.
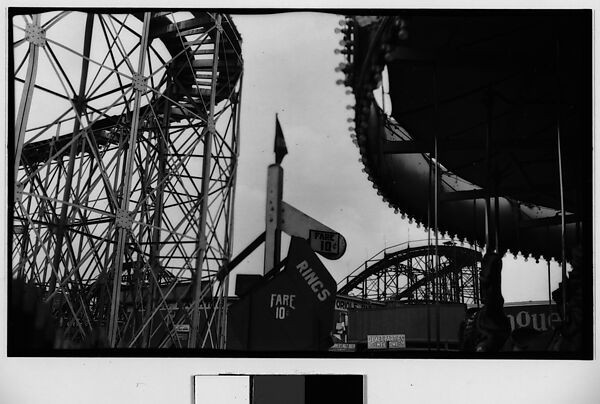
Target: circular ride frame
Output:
{"points": [[125, 155]]}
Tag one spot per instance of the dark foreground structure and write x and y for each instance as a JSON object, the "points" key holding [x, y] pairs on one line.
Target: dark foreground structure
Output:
{"points": [[489, 137]]}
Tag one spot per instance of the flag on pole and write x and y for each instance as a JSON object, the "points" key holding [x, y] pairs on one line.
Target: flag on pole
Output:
{"points": [[280, 147]]}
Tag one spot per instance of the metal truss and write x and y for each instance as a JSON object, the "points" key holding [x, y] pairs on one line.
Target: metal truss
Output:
{"points": [[125, 154], [409, 275]]}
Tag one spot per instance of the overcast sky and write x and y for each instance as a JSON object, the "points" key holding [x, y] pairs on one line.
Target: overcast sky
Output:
{"points": [[289, 64], [289, 69]]}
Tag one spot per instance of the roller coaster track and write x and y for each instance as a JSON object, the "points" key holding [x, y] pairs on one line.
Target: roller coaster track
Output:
{"points": [[409, 275]]}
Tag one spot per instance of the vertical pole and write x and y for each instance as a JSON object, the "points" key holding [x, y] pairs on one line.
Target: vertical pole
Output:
{"points": [[25, 104], [429, 272], [496, 225], [156, 245], [562, 188], [60, 229], [202, 241], [487, 213], [411, 279], [549, 287], [273, 217], [435, 206], [429, 258], [231, 210], [377, 286], [562, 228], [122, 231], [364, 285], [437, 256], [25, 245], [475, 275], [496, 218], [496, 221], [428, 303], [489, 222]]}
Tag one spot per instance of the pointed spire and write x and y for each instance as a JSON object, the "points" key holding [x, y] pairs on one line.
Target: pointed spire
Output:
{"points": [[280, 147]]}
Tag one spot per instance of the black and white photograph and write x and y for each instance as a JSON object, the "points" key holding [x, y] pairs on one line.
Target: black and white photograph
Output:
{"points": [[268, 186]]}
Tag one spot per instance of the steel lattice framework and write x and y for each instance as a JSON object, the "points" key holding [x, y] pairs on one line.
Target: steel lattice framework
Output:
{"points": [[411, 275], [125, 153]]}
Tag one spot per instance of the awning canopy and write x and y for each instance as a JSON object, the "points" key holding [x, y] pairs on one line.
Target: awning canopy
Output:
{"points": [[494, 89]]}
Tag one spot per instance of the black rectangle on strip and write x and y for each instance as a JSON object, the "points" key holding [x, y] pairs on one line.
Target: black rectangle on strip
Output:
{"points": [[307, 389], [327, 389]]}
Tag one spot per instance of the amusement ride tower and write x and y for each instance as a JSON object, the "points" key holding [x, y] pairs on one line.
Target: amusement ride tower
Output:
{"points": [[124, 164]]}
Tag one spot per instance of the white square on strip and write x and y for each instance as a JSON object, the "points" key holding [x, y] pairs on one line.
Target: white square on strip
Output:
{"points": [[225, 389]]}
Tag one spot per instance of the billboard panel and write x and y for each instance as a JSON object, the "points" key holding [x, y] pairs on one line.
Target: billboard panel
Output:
{"points": [[410, 319], [537, 315], [342, 305]]}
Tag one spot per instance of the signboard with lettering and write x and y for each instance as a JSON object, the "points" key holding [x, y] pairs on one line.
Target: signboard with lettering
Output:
{"points": [[401, 344], [322, 239], [377, 345], [393, 341], [342, 305], [290, 311], [540, 316], [408, 319], [182, 328], [324, 242], [343, 347], [328, 244]]}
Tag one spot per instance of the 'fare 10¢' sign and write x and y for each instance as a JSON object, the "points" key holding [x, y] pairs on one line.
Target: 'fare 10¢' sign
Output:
{"points": [[329, 244]]}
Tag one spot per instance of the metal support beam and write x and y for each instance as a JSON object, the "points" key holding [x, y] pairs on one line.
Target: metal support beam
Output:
{"points": [[122, 231], [563, 240], [19, 133], [202, 241], [25, 104], [563, 263], [436, 186], [163, 147], [230, 233], [131, 195], [489, 221], [62, 223]]}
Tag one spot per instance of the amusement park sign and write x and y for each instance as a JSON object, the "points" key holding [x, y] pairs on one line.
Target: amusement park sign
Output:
{"points": [[394, 341], [540, 316], [326, 243], [291, 311]]}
